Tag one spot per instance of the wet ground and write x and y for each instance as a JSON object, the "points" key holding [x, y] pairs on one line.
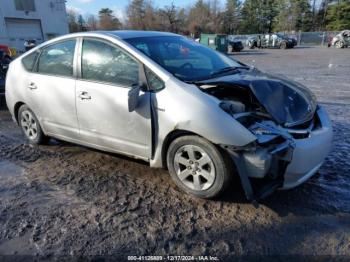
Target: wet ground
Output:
{"points": [[64, 199]]}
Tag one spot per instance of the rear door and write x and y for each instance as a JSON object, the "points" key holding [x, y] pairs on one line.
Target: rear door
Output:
{"points": [[51, 89], [107, 75]]}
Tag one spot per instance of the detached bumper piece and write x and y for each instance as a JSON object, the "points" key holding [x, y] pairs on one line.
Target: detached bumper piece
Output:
{"points": [[265, 169], [281, 158]]}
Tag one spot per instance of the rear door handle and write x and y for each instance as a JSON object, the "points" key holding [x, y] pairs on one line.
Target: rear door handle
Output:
{"points": [[32, 86], [84, 96]]}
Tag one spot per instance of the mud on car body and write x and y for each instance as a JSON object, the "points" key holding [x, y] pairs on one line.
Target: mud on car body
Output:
{"points": [[173, 103]]}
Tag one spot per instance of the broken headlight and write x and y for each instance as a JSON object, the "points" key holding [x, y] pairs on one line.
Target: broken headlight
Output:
{"points": [[260, 131]]}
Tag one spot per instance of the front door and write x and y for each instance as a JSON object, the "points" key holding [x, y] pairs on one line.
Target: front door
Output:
{"points": [[107, 75]]}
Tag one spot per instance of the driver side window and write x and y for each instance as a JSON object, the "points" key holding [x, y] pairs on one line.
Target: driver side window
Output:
{"points": [[103, 62]]}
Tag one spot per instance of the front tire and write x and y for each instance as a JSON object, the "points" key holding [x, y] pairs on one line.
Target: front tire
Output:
{"points": [[31, 126], [283, 45], [339, 44], [198, 167]]}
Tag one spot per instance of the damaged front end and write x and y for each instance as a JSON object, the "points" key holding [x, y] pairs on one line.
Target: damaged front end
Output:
{"points": [[283, 115], [265, 160]]}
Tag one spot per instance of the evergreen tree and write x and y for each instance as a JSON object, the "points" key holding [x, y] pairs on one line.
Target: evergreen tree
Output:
{"points": [[293, 15], [258, 16], [107, 20], [231, 16], [338, 16], [198, 19]]}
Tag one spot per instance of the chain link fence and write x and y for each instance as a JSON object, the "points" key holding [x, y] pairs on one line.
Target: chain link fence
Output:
{"points": [[303, 38]]}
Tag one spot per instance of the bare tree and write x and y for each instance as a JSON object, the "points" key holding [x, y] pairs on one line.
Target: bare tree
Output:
{"points": [[169, 14], [91, 22], [198, 19], [215, 16], [72, 21], [136, 12]]}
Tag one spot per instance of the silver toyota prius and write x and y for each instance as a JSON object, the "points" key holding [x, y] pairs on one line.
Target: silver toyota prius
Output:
{"points": [[174, 103]]}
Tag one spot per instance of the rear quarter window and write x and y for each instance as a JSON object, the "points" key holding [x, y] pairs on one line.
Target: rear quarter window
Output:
{"points": [[29, 61]]}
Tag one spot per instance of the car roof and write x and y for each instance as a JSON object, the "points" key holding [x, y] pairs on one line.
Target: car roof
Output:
{"points": [[126, 34], [120, 34]]}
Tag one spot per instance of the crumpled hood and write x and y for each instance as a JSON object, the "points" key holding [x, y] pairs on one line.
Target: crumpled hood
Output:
{"points": [[288, 102]]}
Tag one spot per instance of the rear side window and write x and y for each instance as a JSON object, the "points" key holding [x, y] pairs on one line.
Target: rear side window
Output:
{"points": [[29, 61], [57, 59], [104, 62]]}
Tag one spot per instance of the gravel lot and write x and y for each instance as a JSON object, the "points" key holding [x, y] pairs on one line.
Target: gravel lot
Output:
{"points": [[64, 199]]}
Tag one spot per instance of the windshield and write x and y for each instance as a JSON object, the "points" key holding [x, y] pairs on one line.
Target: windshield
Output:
{"points": [[184, 58]]}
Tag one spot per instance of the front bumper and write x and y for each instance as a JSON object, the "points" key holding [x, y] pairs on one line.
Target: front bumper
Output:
{"points": [[285, 165], [309, 153]]}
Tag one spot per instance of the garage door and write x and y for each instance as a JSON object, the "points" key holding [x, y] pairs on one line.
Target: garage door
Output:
{"points": [[19, 30]]}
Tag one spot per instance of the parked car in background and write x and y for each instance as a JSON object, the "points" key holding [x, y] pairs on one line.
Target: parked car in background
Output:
{"points": [[174, 103], [7, 50], [271, 41], [29, 44], [341, 40], [235, 46], [5, 60]]}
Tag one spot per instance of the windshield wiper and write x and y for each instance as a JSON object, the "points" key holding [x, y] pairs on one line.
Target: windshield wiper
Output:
{"points": [[217, 73], [228, 69]]}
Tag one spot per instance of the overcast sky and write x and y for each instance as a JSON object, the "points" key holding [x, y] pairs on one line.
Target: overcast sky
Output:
{"points": [[118, 6]]}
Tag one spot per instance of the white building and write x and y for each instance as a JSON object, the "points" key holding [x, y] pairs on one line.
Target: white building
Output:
{"points": [[40, 20]]}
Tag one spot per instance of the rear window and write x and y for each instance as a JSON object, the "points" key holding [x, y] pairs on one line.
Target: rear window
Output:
{"points": [[29, 61]]}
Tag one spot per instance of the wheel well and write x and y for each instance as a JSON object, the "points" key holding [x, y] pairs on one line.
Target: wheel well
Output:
{"points": [[16, 108], [170, 138]]}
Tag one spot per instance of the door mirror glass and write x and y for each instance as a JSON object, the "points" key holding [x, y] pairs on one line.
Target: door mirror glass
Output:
{"points": [[133, 97]]}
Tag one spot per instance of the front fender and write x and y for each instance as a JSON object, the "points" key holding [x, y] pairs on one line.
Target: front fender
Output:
{"points": [[218, 130], [189, 109]]}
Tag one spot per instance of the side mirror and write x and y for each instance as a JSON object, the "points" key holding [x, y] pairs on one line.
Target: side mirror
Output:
{"points": [[133, 97]]}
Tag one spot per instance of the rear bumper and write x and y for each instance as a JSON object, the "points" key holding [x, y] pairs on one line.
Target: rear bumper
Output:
{"points": [[309, 153]]}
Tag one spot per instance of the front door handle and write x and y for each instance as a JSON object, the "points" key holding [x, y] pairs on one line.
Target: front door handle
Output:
{"points": [[32, 86], [84, 96]]}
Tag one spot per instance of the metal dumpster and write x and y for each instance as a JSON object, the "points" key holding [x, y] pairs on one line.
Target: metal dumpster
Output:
{"points": [[216, 41]]}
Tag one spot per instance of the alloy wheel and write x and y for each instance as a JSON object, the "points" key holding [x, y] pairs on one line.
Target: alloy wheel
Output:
{"points": [[339, 44], [194, 167], [29, 125]]}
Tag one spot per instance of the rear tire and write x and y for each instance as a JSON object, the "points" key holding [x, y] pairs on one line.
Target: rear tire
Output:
{"points": [[198, 167], [31, 126]]}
